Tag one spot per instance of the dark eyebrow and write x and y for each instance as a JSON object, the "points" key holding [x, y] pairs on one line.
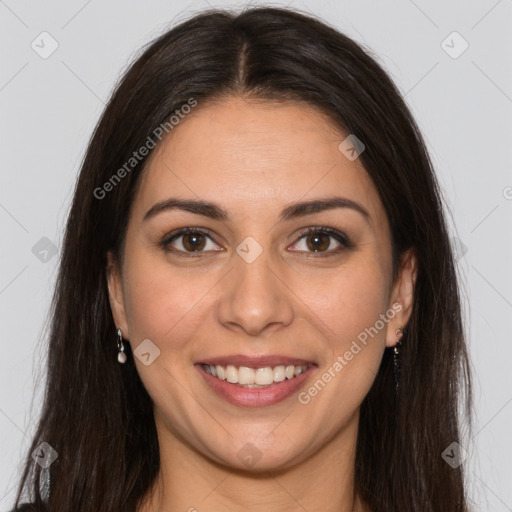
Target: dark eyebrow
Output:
{"points": [[216, 212], [320, 205], [205, 208]]}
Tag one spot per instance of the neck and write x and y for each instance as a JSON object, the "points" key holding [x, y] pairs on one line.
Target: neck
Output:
{"points": [[189, 481]]}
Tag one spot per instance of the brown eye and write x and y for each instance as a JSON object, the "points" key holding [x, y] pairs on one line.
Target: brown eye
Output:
{"points": [[318, 242], [187, 241], [194, 241], [327, 241]]}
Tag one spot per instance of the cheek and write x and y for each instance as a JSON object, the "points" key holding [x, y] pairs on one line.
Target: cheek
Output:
{"points": [[357, 297], [354, 330], [161, 299], [163, 303]]}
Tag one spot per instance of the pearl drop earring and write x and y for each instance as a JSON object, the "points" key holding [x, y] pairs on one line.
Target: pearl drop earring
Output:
{"points": [[121, 356]]}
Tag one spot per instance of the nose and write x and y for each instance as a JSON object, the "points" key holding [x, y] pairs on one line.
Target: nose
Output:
{"points": [[255, 298]]}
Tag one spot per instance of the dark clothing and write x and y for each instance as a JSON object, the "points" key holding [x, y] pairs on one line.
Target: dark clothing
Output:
{"points": [[30, 507]]}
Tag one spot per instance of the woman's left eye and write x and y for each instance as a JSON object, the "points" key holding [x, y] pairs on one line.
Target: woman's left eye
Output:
{"points": [[319, 240]]}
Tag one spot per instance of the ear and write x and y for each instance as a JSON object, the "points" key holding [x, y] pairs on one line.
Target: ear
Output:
{"points": [[402, 295], [116, 294]]}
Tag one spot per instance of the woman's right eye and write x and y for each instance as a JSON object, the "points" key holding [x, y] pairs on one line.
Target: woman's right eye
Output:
{"points": [[188, 240]]}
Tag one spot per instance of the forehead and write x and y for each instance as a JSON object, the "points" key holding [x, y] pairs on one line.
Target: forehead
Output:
{"points": [[255, 155]]}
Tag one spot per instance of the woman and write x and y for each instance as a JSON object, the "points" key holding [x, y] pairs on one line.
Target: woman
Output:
{"points": [[257, 306]]}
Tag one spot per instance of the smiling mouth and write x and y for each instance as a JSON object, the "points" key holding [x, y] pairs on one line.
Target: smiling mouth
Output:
{"points": [[263, 377]]}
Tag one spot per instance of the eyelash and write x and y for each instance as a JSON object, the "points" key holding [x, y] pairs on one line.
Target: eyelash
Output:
{"points": [[334, 233]]}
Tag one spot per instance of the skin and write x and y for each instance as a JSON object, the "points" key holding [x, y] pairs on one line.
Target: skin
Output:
{"points": [[254, 158]]}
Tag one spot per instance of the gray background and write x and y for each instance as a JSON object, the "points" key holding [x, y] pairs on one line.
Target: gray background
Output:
{"points": [[463, 105]]}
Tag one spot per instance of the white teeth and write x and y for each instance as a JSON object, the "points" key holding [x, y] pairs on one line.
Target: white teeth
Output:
{"points": [[220, 372], [264, 376], [279, 374], [246, 375], [254, 377], [231, 374]]}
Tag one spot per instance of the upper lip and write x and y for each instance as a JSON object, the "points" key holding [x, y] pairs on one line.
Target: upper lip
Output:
{"points": [[254, 361]]}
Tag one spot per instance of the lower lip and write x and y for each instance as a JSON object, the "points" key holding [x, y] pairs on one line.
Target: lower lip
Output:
{"points": [[255, 397]]}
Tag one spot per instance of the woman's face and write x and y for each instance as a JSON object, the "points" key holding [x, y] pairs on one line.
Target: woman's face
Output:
{"points": [[248, 288]]}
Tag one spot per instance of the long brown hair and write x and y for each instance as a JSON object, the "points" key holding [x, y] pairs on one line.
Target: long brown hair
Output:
{"points": [[98, 416]]}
